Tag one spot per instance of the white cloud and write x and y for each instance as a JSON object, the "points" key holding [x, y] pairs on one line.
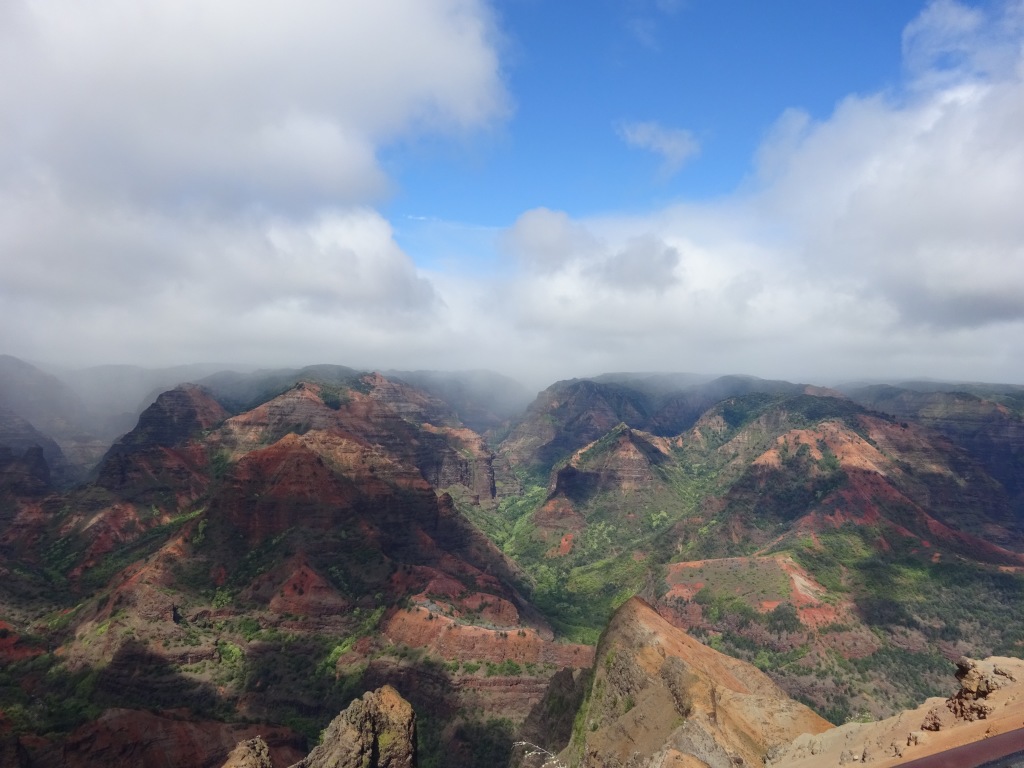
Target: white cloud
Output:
{"points": [[674, 145], [546, 240], [644, 263], [916, 199], [182, 179], [149, 287], [236, 103], [646, 19], [886, 239], [176, 185]]}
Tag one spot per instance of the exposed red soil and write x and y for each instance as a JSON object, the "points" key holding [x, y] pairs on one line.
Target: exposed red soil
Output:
{"points": [[806, 596], [319, 481], [13, 647], [564, 546], [685, 591], [870, 494], [110, 528], [868, 498], [441, 592], [557, 517], [296, 588], [24, 531], [445, 637], [850, 448], [493, 610], [803, 592]]}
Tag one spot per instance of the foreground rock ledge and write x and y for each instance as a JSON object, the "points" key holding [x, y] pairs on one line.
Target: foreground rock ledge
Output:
{"points": [[990, 702]]}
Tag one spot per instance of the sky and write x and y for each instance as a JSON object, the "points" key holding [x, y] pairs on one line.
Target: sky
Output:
{"points": [[821, 192]]}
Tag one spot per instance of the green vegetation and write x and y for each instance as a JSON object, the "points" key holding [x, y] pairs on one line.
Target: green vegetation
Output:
{"points": [[220, 463], [367, 622], [334, 396], [619, 517], [41, 695], [66, 552], [619, 549], [901, 588], [506, 668]]}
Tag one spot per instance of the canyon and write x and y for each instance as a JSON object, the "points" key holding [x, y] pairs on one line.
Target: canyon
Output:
{"points": [[702, 568]]}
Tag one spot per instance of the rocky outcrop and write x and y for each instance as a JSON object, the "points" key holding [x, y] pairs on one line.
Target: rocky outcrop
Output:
{"points": [[622, 461], [569, 415], [660, 697], [978, 679], [405, 423], [253, 753], [376, 731]]}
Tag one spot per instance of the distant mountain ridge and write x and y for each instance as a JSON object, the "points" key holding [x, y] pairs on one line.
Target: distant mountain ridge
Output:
{"points": [[896, 529], [267, 546], [315, 527]]}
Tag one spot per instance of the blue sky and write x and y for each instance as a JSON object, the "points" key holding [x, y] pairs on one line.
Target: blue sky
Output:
{"points": [[808, 190], [721, 72], [724, 71]]}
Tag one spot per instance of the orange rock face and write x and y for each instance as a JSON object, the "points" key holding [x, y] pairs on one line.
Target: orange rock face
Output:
{"points": [[658, 691], [448, 638]]}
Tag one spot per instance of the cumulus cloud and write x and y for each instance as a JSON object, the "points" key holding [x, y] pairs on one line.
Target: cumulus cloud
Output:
{"points": [[260, 102], [100, 280], [176, 186], [885, 239], [182, 179], [915, 197], [546, 241], [644, 263], [552, 247], [673, 145]]}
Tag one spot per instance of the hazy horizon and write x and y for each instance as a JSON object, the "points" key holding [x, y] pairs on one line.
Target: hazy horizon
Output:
{"points": [[810, 192], [208, 368]]}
